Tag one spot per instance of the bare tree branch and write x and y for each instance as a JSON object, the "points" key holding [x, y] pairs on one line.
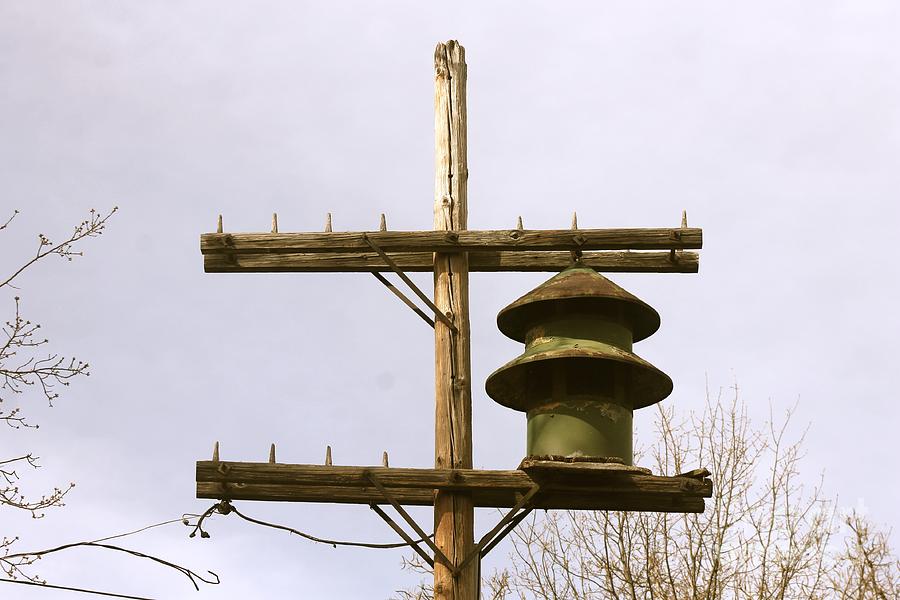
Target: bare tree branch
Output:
{"points": [[24, 366], [90, 227], [764, 535]]}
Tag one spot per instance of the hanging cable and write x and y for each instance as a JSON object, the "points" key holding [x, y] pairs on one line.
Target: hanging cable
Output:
{"points": [[225, 507]]}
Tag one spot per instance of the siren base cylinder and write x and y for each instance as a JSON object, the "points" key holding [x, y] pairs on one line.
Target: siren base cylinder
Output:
{"points": [[591, 429]]}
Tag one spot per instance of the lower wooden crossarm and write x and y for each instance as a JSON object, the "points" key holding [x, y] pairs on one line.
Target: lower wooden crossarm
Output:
{"points": [[416, 487]]}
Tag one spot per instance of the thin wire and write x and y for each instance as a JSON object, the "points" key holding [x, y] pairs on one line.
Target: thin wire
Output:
{"points": [[169, 522], [226, 507], [192, 576], [74, 589]]}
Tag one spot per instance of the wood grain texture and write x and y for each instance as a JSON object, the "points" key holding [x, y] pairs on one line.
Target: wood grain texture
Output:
{"points": [[485, 488], [667, 238], [512, 480], [511, 261], [454, 514], [271, 492]]}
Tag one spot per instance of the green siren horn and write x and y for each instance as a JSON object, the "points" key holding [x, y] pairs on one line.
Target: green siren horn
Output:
{"points": [[578, 381]]}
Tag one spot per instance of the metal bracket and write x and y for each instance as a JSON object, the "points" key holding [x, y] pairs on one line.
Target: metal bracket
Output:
{"points": [[438, 554], [493, 537], [506, 531], [409, 541], [503, 527], [403, 297], [409, 282]]}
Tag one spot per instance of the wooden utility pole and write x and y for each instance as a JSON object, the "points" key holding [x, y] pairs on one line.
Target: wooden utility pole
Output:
{"points": [[450, 250], [454, 514]]}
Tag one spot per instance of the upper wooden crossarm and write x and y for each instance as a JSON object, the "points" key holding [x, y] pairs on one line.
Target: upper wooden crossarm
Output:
{"points": [[671, 238]]}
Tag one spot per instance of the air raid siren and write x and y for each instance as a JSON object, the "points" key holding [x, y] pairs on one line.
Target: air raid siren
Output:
{"points": [[578, 381]]}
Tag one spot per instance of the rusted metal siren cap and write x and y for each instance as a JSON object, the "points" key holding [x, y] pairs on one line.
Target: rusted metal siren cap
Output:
{"points": [[587, 370], [577, 289]]}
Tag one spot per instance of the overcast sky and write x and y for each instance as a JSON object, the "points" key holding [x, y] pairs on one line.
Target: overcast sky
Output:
{"points": [[776, 125]]}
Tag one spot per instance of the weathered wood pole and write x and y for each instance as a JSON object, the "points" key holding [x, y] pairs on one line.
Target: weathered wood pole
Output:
{"points": [[453, 511]]}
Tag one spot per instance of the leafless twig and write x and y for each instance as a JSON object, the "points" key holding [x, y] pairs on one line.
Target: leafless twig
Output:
{"points": [[90, 227]]}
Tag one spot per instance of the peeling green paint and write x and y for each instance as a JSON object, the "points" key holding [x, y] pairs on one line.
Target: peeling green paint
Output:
{"points": [[578, 380]]}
